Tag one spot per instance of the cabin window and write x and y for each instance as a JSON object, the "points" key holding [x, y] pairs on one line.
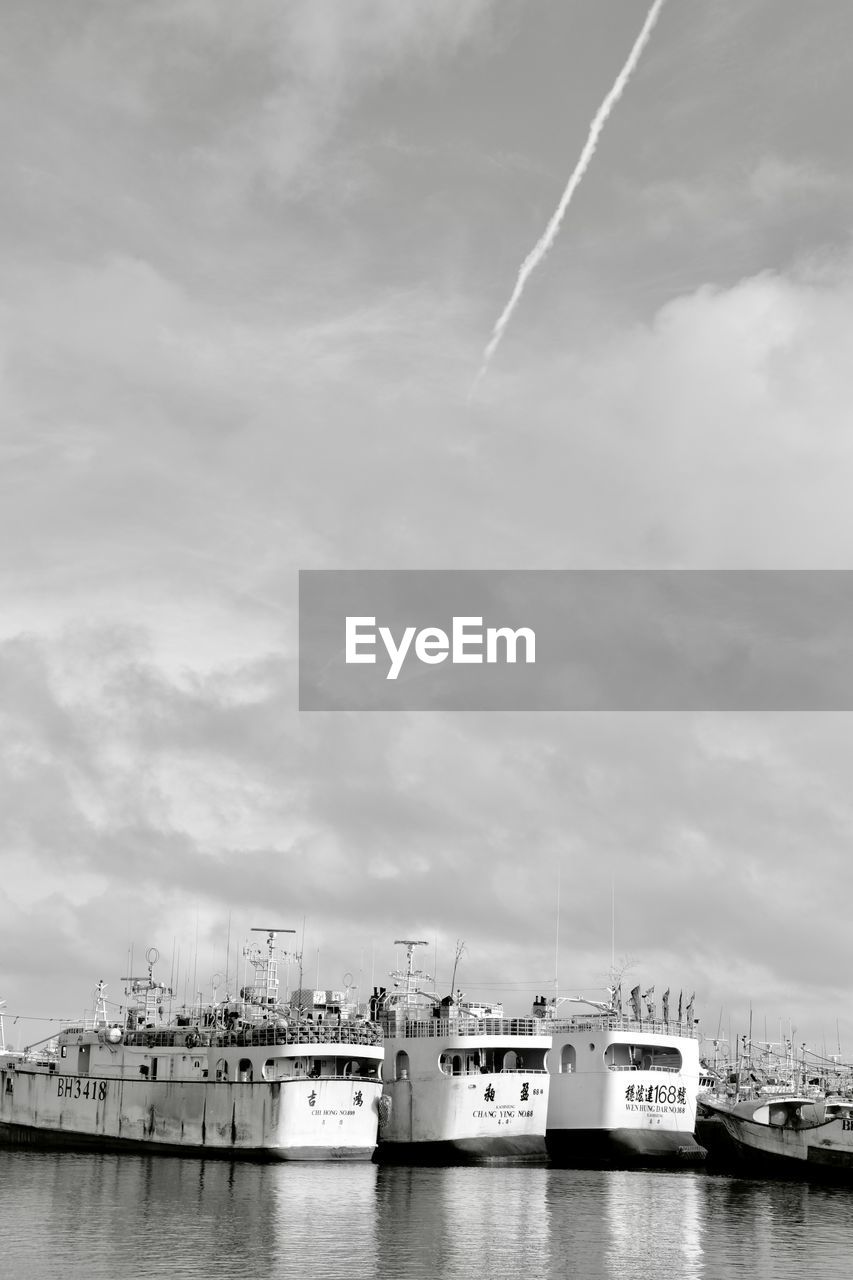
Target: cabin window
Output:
{"points": [[513, 1061], [568, 1058], [643, 1057], [63, 1052], [619, 1056], [401, 1065], [9, 1084], [221, 1069], [244, 1071]]}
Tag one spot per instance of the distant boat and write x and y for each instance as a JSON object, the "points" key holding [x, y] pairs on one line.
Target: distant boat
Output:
{"points": [[461, 1080], [623, 1089], [248, 1078], [794, 1135]]}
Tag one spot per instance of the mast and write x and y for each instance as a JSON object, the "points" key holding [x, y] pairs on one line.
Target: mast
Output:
{"points": [[146, 996], [264, 991], [411, 973]]}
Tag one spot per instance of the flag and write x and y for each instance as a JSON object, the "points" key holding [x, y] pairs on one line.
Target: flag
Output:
{"points": [[617, 1001], [665, 1003], [690, 1009], [650, 1003], [680, 997], [635, 1003]]}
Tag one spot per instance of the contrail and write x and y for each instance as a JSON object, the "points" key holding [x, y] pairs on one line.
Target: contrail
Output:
{"points": [[542, 246]]}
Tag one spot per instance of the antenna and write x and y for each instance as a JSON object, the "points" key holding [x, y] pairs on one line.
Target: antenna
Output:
{"points": [[612, 923], [460, 947], [410, 945], [557, 943], [270, 932]]}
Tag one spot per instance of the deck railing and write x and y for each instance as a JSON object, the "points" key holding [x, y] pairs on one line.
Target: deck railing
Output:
{"points": [[320, 1034], [620, 1022], [430, 1028]]}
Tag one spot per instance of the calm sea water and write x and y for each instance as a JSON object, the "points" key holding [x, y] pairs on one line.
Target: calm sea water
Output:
{"points": [[106, 1216]]}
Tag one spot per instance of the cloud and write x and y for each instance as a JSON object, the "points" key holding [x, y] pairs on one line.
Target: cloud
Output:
{"points": [[157, 801], [712, 437], [234, 346], [147, 97]]}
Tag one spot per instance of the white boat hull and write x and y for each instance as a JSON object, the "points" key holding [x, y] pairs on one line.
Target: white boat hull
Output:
{"points": [[603, 1112], [479, 1117], [429, 1113]]}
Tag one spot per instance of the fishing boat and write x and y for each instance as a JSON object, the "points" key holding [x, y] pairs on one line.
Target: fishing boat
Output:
{"points": [[461, 1082], [798, 1135], [247, 1077], [623, 1088]]}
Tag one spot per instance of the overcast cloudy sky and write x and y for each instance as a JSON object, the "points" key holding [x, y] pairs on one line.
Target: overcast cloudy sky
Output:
{"points": [[251, 256]]}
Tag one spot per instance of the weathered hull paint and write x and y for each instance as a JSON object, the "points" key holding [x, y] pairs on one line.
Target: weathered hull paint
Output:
{"points": [[26, 1136], [823, 1152], [271, 1120]]}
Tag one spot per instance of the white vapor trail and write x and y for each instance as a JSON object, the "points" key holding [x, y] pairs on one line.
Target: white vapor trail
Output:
{"points": [[537, 253]]}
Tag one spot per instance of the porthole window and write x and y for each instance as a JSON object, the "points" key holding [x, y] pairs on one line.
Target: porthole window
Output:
{"points": [[568, 1058]]}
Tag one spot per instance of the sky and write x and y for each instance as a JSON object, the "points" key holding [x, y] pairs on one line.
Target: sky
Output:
{"points": [[249, 266]]}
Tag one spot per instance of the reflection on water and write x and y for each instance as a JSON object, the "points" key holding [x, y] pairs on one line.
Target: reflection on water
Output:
{"points": [[324, 1221], [102, 1216], [654, 1233], [455, 1222], [777, 1229]]}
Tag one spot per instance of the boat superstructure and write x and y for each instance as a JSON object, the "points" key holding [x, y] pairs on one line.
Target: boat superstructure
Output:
{"points": [[460, 1081], [623, 1088], [247, 1077]]}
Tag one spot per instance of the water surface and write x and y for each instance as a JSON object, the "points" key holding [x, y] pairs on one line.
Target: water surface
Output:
{"points": [[99, 1217]]}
